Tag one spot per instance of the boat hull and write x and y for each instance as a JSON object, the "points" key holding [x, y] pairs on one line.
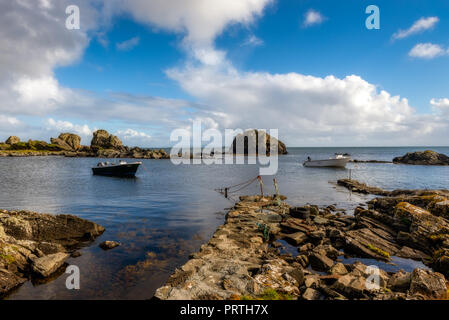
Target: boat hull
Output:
{"points": [[332, 163], [121, 170]]}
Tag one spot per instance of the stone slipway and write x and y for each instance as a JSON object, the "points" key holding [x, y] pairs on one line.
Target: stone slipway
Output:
{"points": [[243, 259]]}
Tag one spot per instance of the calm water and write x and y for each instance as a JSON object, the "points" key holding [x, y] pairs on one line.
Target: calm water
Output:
{"points": [[168, 211]]}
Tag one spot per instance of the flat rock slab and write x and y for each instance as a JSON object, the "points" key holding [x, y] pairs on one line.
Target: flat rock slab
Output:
{"points": [[36, 245], [47, 265]]}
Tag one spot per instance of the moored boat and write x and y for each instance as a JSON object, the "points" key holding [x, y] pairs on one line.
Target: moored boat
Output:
{"points": [[339, 161], [122, 169]]}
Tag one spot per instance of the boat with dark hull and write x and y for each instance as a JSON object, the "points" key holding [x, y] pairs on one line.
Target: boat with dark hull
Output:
{"points": [[122, 169]]}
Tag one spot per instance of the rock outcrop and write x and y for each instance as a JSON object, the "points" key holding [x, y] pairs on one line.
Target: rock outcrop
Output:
{"points": [[72, 140], [12, 140], [104, 145], [103, 140], [34, 245], [243, 259], [248, 143], [430, 158]]}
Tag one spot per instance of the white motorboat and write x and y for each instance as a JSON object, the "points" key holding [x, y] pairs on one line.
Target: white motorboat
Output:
{"points": [[339, 161]]}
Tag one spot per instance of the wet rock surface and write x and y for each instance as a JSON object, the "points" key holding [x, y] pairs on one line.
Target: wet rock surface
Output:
{"points": [[108, 245], [245, 260], [34, 245]]}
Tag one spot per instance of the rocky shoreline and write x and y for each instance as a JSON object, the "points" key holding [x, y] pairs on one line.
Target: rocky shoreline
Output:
{"points": [[103, 145], [246, 257], [34, 246]]}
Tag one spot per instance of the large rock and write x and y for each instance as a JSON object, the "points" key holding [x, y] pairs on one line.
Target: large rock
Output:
{"points": [[60, 144], [249, 140], [73, 140], [423, 158], [37, 244], [47, 265], [431, 285], [12, 140], [9, 281], [63, 229], [103, 140], [320, 262], [350, 286]]}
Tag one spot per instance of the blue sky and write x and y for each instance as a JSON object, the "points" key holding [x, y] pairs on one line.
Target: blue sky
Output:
{"points": [[141, 69]]}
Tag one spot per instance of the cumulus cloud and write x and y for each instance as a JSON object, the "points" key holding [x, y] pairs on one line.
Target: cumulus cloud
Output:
{"points": [[419, 26], [34, 41], [441, 107], [128, 44], [67, 126], [200, 21], [427, 51], [306, 109], [133, 137], [313, 17]]}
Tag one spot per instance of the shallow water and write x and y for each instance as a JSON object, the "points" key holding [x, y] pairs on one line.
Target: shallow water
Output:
{"points": [[168, 211]]}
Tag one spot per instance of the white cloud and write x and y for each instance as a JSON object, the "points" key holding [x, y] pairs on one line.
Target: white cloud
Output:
{"points": [[128, 44], [441, 107], [66, 126], [132, 137], [419, 26], [306, 109], [200, 21], [6, 121], [130, 133], [427, 51], [252, 40], [313, 17], [33, 42]]}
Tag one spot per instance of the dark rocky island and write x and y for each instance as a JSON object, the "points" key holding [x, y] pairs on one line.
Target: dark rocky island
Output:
{"points": [[428, 157], [250, 141], [103, 145], [35, 246], [243, 260]]}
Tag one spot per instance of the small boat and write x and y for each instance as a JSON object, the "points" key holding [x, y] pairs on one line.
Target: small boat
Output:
{"points": [[122, 169], [339, 161]]}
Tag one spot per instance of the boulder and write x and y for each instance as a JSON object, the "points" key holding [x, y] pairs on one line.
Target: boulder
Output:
{"points": [[248, 142], [311, 294], [108, 245], [427, 157], [320, 262], [12, 140], [103, 140], [400, 281], [339, 268], [296, 238], [47, 265], [9, 281], [61, 144], [350, 286], [73, 140], [431, 285]]}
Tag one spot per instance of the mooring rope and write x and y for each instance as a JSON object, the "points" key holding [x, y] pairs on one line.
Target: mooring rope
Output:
{"points": [[227, 191]]}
